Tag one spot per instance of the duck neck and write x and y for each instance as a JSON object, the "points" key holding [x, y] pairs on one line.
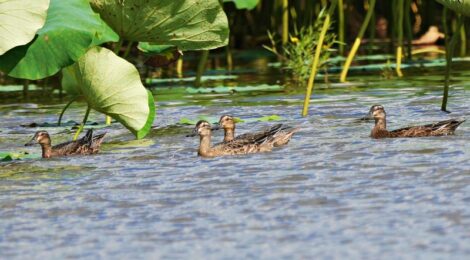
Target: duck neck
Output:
{"points": [[229, 134], [205, 145], [380, 124], [46, 150]]}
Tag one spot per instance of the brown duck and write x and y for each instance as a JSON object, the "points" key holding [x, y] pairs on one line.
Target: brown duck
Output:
{"points": [[377, 112], [281, 132], [263, 143], [88, 144]]}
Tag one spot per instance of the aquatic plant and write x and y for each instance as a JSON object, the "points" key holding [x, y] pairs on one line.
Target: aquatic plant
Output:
{"points": [[72, 30], [462, 8], [298, 54], [357, 42], [316, 60]]}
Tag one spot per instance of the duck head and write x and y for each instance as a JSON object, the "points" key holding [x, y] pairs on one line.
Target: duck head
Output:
{"points": [[227, 122], [377, 112], [203, 128], [41, 137]]}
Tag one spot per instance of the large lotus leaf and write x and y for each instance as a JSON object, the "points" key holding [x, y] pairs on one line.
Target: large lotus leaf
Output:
{"points": [[20, 20], [244, 4], [458, 6], [112, 86], [186, 24], [71, 28]]}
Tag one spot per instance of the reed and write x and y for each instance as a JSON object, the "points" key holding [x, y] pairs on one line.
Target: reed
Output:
{"points": [[316, 60], [357, 42]]}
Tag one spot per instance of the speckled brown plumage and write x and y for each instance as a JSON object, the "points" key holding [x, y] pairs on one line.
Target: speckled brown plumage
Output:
{"points": [[88, 144], [280, 132], [446, 127], [260, 144]]}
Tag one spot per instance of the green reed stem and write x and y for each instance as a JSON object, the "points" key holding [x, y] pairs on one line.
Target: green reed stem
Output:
{"points": [[450, 45], [316, 59]]}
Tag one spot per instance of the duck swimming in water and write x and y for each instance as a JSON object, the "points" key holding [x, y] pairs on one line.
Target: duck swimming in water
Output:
{"points": [[377, 112], [261, 143], [282, 132], [88, 144]]}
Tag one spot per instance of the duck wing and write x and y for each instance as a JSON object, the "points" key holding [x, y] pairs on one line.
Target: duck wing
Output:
{"points": [[440, 128], [256, 137]]}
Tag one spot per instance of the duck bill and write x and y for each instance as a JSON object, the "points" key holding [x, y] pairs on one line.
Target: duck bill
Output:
{"points": [[215, 127], [193, 133], [30, 143]]}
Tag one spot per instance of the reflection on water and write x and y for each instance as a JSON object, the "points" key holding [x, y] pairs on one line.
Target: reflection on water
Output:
{"points": [[332, 192]]}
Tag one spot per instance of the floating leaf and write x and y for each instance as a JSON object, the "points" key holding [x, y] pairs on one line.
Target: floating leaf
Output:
{"points": [[188, 25], [112, 86], [20, 20], [214, 120], [71, 28], [7, 156]]}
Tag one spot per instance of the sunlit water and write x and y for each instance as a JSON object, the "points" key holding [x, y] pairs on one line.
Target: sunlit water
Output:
{"points": [[331, 193]]}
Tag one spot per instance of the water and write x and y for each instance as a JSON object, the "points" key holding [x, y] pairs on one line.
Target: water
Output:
{"points": [[331, 193]]}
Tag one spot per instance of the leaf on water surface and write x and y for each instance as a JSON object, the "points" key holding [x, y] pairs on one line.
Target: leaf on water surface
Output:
{"points": [[112, 86], [20, 20], [215, 120], [7, 156], [70, 123], [191, 79], [244, 4], [71, 28], [188, 25], [226, 89]]}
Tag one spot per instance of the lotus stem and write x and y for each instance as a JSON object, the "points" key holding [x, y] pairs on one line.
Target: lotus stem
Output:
{"points": [[463, 39], [65, 108], [450, 45], [341, 27], [409, 30], [128, 49], [118, 46], [179, 67], [357, 42], [80, 128], [108, 120], [229, 57], [285, 22], [400, 38], [201, 67], [316, 59]]}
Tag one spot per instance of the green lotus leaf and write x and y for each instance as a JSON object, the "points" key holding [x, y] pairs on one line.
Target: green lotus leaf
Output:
{"points": [[71, 28], [458, 6], [112, 86], [244, 4], [20, 20], [188, 24]]}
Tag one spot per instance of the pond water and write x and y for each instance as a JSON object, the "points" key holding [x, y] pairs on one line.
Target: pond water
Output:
{"points": [[333, 192]]}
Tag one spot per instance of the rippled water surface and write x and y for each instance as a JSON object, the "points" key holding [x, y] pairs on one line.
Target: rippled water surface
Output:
{"points": [[331, 193]]}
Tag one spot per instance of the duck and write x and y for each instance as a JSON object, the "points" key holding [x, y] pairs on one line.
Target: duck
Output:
{"points": [[88, 144], [262, 143], [281, 132], [441, 128]]}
